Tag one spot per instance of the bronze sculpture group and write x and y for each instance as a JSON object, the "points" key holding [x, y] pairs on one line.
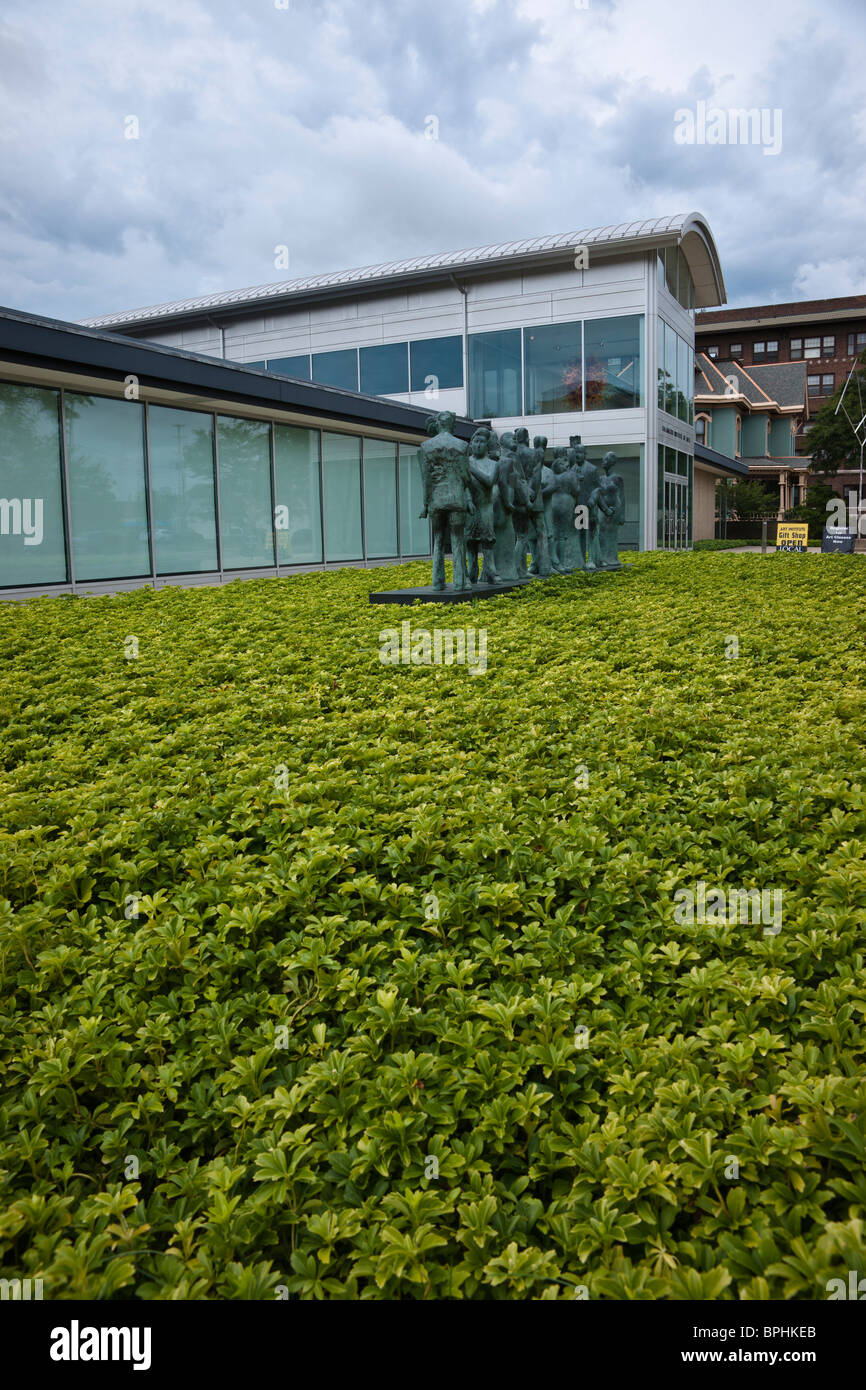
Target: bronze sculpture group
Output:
{"points": [[496, 502]]}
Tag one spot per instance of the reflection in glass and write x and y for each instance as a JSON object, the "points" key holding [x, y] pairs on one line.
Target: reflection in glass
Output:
{"points": [[336, 369], [613, 350], [298, 367], [181, 487], [298, 510], [246, 515], [494, 374], [341, 473], [553, 357], [670, 370], [441, 358], [629, 464], [414, 533], [682, 379], [385, 369], [380, 498], [107, 501], [31, 521]]}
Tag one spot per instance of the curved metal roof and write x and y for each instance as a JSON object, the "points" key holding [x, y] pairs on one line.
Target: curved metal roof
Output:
{"points": [[689, 229]]}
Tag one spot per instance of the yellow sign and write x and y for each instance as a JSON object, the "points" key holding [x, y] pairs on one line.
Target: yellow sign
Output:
{"points": [[793, 535]]}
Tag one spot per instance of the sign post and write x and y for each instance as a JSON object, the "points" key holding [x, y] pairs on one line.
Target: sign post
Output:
{"points": [[793, 536], [837, 540]]}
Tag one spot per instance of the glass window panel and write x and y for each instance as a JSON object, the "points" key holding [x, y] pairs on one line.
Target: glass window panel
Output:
{"points": [[629, 459], [495, 374], [385, 369], [614, 362], [660, 512], [180, 444], [337, 369], [670, 460], [260, 365], [298, 367], [660, 269], [684, 278], [660, 362], [31, 507], [671, 270], [246, 515], [298, 507], [691, 385], [682, 379], [670, 370], [553, 358], [341, 470], [414, 533], [682, 464], [380, 498], [107, 499], [441, 358]]}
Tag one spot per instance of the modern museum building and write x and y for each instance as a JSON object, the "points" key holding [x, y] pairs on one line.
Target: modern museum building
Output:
{"points": [[276, 429]]}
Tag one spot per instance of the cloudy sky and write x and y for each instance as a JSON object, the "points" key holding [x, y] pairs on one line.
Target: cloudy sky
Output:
{"points": [[309, 124]]}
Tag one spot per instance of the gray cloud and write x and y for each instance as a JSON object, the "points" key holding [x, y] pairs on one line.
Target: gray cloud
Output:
{"points": [[305, 126]]}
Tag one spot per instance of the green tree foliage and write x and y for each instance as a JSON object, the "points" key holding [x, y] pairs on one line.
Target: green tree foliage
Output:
{"points": [[813, 509], [751, 498], [831, 440]]}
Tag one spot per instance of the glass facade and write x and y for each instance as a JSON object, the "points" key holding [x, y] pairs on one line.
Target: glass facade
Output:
{"points": [[629, 465], [614, 362], [495, 374], [337, 369], [246, 517], [590, 364], [385, 369], [414, 533], [676, 374], [107, 493], [341, 477], [380, 498], [298, 367], [553, 368], [180, 444], [437, 364], [298, 503], [204, 492], [675, 499], [32, 548]]}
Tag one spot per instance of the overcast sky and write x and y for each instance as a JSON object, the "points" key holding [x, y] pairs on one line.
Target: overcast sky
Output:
{"points": [[307, 124]]}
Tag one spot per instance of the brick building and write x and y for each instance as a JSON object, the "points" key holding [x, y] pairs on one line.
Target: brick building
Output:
{"points": [[825, 334]]}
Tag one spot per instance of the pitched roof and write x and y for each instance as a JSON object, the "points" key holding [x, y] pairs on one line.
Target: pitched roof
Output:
{"points": [[782, 384]]}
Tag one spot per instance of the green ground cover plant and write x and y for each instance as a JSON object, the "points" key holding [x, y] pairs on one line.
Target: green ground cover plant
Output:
{"points": [[329, 979]]}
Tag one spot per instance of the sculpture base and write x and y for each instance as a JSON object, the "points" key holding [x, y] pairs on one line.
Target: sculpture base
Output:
{"points": [[428, 594]]}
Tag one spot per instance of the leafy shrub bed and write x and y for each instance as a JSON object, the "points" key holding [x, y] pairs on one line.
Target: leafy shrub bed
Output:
{"points": [[250, 1084]]}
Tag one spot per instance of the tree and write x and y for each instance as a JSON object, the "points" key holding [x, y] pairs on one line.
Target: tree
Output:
{"points": [[814, 508], [750, 499], [831, 439]]}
